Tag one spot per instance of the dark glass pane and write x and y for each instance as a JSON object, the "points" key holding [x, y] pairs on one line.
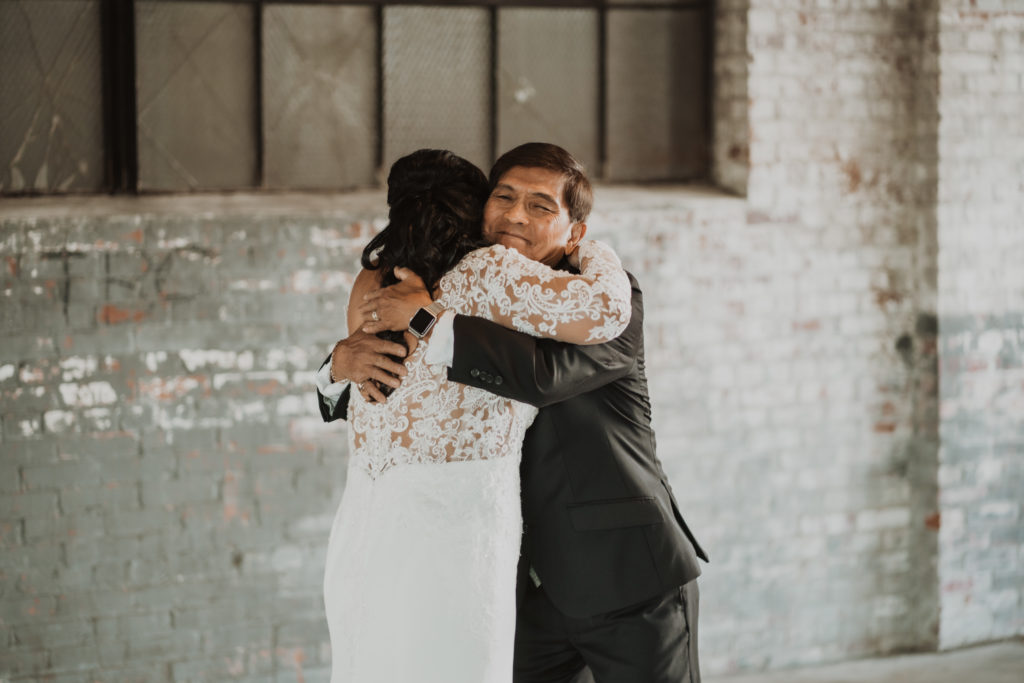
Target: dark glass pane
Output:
{"points": [[51, 106], [319, 96], [196, 95], [656, 95], [436, 81], [548, 80]]}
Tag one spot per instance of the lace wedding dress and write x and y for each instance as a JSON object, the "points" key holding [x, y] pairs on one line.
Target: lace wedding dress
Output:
{"points": [[421, 564]]}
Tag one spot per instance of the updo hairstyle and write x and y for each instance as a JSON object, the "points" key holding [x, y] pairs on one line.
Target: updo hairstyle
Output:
{"points": [[436, 201]]}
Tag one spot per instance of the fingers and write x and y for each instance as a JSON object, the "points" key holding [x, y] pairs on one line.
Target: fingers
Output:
{"points": [[366, 309], [373, 328], [362, 343], [388, 375], [413, 343], [371, 393], [409, 283], [404, 274], [383, 314], [389, 348], [384, 379]]}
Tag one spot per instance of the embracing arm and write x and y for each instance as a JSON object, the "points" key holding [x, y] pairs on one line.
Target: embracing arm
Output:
{"points": [[358, 358], [502, 285], [541, 371]]}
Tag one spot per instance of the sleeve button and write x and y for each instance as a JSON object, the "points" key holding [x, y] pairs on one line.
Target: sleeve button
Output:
{"points": [[474, 373]]}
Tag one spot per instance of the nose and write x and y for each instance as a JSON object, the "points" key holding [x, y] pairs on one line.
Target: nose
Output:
{"points": [[516, 213]]}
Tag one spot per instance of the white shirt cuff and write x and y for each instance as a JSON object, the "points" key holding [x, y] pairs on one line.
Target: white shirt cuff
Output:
{"points": [[331, 391], [441, 348]]}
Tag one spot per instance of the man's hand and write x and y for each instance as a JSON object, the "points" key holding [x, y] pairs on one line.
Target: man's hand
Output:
{"points": [[391, 308], [363, 357]]}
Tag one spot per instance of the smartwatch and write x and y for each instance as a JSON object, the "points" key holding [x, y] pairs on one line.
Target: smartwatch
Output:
{"points": [[425, 319]]}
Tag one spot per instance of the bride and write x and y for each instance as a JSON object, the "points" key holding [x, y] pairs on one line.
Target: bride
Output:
{"points": [[420, 577]]}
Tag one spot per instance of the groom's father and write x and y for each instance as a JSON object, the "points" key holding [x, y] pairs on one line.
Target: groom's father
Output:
{"points": [[608, 568]]}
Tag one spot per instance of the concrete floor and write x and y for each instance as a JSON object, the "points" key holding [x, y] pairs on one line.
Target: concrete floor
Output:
{"points": [[997, 663]]}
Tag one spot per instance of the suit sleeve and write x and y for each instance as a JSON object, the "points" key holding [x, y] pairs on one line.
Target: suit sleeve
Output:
{"points": [[340, 410], [541, 371]]}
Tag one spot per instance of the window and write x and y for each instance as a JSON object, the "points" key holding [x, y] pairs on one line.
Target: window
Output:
{"points": [[189, 95]]}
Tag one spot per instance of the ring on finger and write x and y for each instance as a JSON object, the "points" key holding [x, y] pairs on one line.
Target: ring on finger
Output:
{"points": [[373, 314], [359, 385]]}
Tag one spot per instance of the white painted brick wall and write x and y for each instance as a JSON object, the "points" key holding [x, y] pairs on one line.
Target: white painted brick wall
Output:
{"points": [[981, 315]]}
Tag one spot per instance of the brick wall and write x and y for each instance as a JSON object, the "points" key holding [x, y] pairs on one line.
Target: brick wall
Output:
{"points": [[166, 486], [841, 171], [730, 101], [981, 320]]}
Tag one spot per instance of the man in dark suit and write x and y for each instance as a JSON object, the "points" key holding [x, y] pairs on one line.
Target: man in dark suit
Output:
{"points": [[608, 567]]}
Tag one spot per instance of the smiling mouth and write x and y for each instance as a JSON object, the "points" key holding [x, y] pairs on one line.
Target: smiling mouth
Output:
{"points": [[509, 235]]}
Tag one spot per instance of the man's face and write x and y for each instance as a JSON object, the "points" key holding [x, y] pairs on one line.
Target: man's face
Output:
{"points": [[526, 212]]}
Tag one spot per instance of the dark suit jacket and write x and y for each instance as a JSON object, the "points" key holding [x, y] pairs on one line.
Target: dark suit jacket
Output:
{"points": [[602, 528]]}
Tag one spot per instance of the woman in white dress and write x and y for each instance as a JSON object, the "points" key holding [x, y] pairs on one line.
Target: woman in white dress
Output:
{"points": [[421, 565]]}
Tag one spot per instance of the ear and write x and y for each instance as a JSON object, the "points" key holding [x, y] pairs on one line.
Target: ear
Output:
{"points": [[576, 233]]}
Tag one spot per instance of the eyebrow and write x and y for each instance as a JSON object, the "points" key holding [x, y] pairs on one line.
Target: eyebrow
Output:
{"points": [[542, 195]]}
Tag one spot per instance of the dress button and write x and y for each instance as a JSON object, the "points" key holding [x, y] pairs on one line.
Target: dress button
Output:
{"points": [[474, 373]]}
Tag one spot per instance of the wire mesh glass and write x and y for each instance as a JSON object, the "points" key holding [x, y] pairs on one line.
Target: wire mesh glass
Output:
{"points": [[319, 96], [437, 81], [548, 80], [51, 96], [657, 96], [196, 95]]}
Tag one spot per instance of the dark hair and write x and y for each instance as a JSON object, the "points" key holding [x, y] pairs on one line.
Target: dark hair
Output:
{"points": [[577, 193], [436, 203]]}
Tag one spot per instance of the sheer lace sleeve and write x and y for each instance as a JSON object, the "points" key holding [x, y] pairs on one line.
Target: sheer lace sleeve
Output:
{"points": [[502, 285]]}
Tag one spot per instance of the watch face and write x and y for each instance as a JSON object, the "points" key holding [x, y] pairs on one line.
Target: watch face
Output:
{"points": [[420, 322]]}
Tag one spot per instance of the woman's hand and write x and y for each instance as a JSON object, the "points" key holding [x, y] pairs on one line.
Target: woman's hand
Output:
{"points": [[391, 308]]}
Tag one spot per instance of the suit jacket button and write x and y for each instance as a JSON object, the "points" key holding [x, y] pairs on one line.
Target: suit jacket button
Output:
{"points": [[474, 373]]}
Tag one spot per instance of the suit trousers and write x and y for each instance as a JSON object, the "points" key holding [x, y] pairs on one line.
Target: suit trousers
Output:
{"points": [[652, 642]]}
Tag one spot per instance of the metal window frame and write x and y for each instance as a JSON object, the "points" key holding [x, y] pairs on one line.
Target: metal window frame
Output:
{"points": [[119, 72], [120, 122]]}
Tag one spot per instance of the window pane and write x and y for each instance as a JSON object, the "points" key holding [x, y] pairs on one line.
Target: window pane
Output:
{"points": [[195, 76], [656, 95], [319, 96], [659, 2], [51, 105], [548, 80], [436, 85]]}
